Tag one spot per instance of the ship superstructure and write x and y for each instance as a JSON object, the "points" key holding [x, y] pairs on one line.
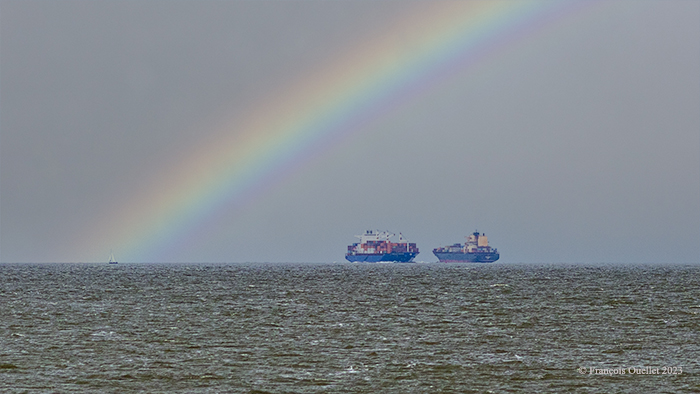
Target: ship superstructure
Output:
{"points": [[375, 246], [475, 250]]}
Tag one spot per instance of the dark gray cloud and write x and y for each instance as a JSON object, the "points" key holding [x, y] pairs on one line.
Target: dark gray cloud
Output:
{"points": [[580, 143]]}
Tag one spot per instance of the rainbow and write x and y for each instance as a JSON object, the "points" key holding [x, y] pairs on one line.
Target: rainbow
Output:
{"points": [[426, 45]]}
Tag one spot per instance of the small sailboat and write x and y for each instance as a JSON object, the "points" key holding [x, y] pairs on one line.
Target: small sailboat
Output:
{"points": [[111, 258]]}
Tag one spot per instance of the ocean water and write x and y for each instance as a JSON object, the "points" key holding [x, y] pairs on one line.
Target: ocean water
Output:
{"points": [[349, 328]]}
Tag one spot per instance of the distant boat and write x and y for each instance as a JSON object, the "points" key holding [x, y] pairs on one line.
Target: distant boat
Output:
{"points": [[375, 247], [475, 250], [111, 258]]}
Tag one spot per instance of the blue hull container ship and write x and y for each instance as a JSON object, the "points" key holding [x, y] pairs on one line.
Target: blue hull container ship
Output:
{"points": [[375, 247], [475, 250]]}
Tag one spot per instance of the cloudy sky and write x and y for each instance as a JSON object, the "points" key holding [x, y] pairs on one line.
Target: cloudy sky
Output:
{"points": [[576, 139]]}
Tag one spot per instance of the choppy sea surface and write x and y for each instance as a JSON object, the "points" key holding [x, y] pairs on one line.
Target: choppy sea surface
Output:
{"points": [[349, 328]]}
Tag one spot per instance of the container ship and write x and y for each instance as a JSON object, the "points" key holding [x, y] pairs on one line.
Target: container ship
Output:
{"points": [[375, 247], [475, 250]]}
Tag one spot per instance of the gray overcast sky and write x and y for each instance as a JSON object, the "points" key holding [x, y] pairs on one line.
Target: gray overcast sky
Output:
{"points": [[580, 143]]}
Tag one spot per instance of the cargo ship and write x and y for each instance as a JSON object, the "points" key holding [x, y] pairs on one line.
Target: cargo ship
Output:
{"points": [[475, 250], [375, 247]]}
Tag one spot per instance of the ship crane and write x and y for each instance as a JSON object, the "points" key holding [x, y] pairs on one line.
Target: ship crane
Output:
{"points": [[374, 236], [402, 240]]}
